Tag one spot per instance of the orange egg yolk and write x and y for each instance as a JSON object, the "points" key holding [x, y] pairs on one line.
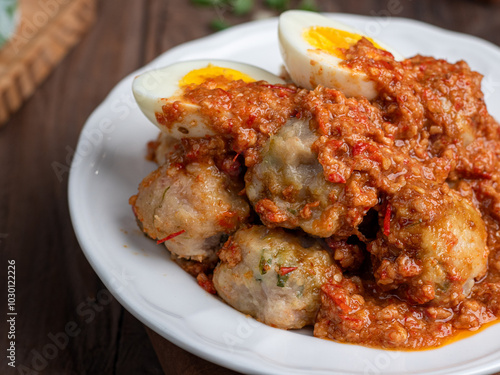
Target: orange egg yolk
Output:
{"points": [[331, 40], [198, 76]]}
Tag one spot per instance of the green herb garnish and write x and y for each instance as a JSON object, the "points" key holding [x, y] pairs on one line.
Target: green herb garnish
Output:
{"points": [[264, 264], [282, 280]]}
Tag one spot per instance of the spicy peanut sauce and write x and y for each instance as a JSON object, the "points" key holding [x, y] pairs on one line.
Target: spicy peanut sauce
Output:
{"points": [[424, 154]]}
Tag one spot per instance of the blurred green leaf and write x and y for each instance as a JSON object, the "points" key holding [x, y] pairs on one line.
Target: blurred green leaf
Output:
{"points": [[279, 5], [218, 24], [11, 9], [208, 2], [242, 7], [309, 5]]}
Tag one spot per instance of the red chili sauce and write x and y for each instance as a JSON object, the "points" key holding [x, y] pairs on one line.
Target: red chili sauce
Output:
{"points": [[418, 170]]}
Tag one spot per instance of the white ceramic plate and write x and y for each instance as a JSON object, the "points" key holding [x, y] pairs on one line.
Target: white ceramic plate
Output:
{"points": [[109, 164]]}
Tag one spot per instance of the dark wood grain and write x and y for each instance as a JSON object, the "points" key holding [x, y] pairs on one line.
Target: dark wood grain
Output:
{"points": [[55, 284], [177, 361]]}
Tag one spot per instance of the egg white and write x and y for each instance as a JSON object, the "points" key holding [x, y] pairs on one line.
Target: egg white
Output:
{"points": [[309, 67], [153, 89]]}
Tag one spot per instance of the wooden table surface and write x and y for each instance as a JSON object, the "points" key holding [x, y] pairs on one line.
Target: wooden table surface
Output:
{"points": [[56, 289]]}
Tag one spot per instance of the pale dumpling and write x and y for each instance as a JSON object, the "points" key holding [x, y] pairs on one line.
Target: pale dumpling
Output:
{"points": [[273, 275]]}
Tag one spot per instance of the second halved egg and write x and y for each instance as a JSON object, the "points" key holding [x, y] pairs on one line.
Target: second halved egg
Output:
{"points": [[312, 49]]}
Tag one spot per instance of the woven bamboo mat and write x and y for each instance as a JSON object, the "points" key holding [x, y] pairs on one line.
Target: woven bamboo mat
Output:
{"points": [[46, 32]]}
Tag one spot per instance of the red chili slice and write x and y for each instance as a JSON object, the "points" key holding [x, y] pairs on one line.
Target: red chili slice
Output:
{"points": [[170, 236], [285, 270], [387, 220]]}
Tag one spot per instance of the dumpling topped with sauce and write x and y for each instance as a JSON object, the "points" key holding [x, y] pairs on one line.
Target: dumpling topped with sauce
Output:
{"points": [[312, 47]]}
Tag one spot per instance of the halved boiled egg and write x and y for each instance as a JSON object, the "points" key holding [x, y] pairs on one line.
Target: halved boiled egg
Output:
{"points": [[155, 89], [311, 46]]}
